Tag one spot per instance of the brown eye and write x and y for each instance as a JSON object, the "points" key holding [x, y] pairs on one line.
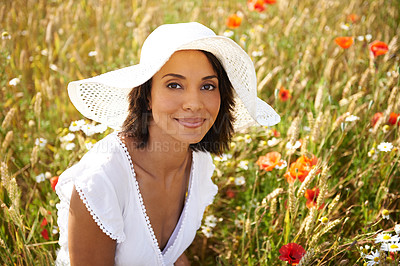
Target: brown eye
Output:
{"points": [[174, 86], [208, 87]]}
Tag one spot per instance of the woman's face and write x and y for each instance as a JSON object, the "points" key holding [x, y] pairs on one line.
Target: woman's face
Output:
{"points": [[185, 98]]}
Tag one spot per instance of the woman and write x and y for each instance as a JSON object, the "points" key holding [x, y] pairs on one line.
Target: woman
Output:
{"points": [[138, 196]]}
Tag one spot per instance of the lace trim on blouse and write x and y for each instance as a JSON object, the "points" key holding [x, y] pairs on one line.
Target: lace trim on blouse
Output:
{"points": [[148, 224]]}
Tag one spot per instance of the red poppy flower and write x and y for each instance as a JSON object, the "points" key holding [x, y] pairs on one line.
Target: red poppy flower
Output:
{"points": [[269, 161], [311, 195], [292, 253], [230, 193], [393, 118], [344, 42], [284, 94], [300, 168], [353, 18], [256, 5], [233, 21], [53, 182], [378, 48], [277, 134], [270, 2], [375, 118], [44, 222], [45, 234]]}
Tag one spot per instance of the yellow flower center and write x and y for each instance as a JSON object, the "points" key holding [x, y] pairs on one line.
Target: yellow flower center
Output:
{"points": [[324, 220], [365, 251], [385, 212], [386, 237], [74, 124], [376, 259], [394, 246]]}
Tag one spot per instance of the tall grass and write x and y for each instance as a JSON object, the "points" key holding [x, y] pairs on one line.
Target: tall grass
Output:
{"points": [[46, 44]]}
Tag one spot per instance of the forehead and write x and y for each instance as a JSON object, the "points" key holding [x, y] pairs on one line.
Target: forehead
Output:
{"points": [[188, 62]]}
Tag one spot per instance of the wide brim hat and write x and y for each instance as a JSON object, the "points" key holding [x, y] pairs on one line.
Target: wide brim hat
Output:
{"points": [[104, 98]]}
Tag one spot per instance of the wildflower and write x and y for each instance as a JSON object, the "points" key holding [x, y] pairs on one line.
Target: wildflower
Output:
{"points": [[247, 138], [256, 5], [284, 94], [295, 146], [269, 161], [282, 165], [92, 53], [88, 129], [44, 222], [385, 128], [53, 67], [207, 231], [40, 178], [360, 38], [228, 33], [300, 168], [233, 21], [312, 195], [41, 142], [344, 42], [378, 48], [353, 18], [210, 221], [45, 234], [272, 142], [55, 230], [257, 53], [397, 229], [374, 258], [344, 26], [292, 253], [324, 220], [352, 118], [238, 223], [69, 146], [371, 152], [368, 37], [244, 164], [385, 214], [224, 157], [76, 125], [14, 82], [67, 138], [100, 128], [385, 238], [364, 250], [393, 117], [89, 144], [53, 182], [385, 146], [270, 2], [230, 193], [240, 181], [391, 247], [375, 118], [5, 35]]}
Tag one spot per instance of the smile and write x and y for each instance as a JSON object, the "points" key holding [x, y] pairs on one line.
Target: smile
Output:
{"points": [[191, 122]]}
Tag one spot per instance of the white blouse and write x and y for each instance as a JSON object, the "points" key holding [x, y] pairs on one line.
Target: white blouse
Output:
{"points": [[106, 182]]}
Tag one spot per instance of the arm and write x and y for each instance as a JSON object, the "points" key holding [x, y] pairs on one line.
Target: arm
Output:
{"points": [[87, 243], [182, 261]]}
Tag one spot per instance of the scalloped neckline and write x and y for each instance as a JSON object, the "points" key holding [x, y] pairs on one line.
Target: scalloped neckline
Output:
{"points": [[182, 218]]}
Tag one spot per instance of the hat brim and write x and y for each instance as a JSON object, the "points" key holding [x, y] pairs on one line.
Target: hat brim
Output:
{"points": [[104, 98]]}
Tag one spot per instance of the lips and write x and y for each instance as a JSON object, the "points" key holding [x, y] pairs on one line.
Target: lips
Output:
{"points": [[192, 122]]}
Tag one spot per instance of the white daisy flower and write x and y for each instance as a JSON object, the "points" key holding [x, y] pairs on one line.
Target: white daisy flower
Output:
{"points": [[364, 250], [385, 238], [67, 138], [210, 221], [207, 231], [385, 214], [385, 146], [344, 26], [257, 53], [368, 37], [360, 38], [41, 142], [272, 142], [247, 138], [244, 165], [371, 152], [92, 53], [239, 223], [391, 247], [240, 181], [69, 146], [76, 125], [282, 166], [351, 118], [324, 220], [373, 258], [224, 157], [100, 128], [397, 229], [228, 33], [295, 146], [14, 82], [40, 178], [88, 129]]}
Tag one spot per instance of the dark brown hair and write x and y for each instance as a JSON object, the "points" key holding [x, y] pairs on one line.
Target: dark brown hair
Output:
{"points": [[215, 141]]}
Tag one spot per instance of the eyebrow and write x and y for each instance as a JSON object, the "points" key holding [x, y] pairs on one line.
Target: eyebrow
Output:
{"points": [[183, 77]]}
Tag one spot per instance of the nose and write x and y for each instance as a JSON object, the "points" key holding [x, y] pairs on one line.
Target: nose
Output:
{"points": [[192, 100]]}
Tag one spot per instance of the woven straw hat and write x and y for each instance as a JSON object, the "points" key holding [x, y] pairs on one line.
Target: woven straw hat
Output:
{"points": [[104, 98]]}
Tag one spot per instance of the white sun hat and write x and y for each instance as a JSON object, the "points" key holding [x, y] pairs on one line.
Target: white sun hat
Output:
{"points": [[104, 98]]}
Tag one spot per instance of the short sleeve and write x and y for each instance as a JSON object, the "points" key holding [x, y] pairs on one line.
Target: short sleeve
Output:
{"points": [[100, 189]]}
